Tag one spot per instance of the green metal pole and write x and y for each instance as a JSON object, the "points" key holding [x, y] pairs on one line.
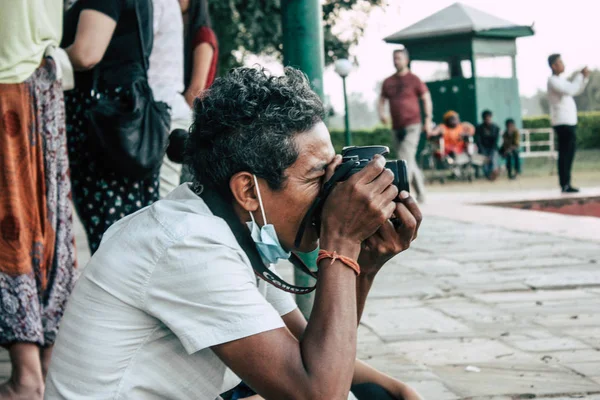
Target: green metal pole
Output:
{"points": [[303, 48], [347, 116], [303, 45]]}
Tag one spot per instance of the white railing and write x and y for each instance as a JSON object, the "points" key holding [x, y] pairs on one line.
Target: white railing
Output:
{"points": [[544, 147]]}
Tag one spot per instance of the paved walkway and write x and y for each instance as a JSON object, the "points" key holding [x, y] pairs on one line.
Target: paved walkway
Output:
{"points": [[495, 310]]}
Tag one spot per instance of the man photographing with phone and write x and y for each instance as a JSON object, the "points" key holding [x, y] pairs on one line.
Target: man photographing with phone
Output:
{"points": [[563, 112], [170, 300]]}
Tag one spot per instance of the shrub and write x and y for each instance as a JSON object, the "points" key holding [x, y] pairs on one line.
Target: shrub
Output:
{"points": [[588, 128]]}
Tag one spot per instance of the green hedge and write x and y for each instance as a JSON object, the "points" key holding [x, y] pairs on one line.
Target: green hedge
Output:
{"points": [[379, 136], [588, 132], [588, 128]]}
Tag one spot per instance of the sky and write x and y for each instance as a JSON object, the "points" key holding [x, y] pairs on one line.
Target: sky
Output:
{"points": [[568, 27]]}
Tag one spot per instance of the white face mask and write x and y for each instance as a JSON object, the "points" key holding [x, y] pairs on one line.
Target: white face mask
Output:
{"points": [[265, 237]]}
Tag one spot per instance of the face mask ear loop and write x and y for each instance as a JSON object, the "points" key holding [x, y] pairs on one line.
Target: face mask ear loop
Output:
{"points": [[262, 209], [252, 217]]}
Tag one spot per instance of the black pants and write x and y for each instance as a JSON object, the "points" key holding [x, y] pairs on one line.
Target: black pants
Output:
{"points": [[566, 152], [363, 391]]}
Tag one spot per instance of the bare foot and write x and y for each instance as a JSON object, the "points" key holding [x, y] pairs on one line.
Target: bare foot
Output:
{"points": [[11, 391]]}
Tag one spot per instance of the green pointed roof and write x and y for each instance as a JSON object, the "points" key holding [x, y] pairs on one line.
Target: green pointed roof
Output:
{"points": [[457, 20]]}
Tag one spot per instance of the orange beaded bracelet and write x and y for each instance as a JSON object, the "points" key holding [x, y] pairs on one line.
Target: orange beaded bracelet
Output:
{"points": [[347, 261]]}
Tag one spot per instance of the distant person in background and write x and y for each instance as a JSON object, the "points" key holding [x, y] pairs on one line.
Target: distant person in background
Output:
{"points": [[201, 54], [37, 245], [487, 135], [511, 140], [201, 49], [453, 131], [102, 40], [165, 77], [563, 113], [404, 91]]}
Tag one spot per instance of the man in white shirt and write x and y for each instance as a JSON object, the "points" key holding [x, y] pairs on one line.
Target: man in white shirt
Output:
{"points": [[170, 301], [165, 77], [563, 113]]}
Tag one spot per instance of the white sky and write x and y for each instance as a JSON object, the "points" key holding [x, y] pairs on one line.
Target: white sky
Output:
{"points": [[566, 27]]}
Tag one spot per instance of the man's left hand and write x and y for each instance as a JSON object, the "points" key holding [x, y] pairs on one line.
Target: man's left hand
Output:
{"points": [[391, 239], [428, 126]]}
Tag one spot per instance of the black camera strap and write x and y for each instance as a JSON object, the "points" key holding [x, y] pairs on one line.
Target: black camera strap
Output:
{"points": [[223, 209], [313, 214]]}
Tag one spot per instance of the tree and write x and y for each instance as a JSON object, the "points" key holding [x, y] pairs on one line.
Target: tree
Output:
{"points": [[254, 27]]}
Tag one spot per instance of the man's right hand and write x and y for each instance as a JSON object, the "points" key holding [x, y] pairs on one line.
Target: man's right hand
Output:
{"points": [[357, 207], [384, 119]]}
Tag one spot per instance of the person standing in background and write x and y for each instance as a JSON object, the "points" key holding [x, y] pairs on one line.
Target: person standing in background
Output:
{"points": [[563, 113], [103, 43], [37, 245], [201, 54], [165, 77], [510, 148], [404, 90], [486, 138], [201, 49]]}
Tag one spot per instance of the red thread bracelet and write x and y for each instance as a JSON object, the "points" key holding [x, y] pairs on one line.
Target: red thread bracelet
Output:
{"points": [[347, 261]]}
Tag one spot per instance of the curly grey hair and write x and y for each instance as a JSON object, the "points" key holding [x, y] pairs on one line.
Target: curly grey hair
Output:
{"points": [[247, 121]]}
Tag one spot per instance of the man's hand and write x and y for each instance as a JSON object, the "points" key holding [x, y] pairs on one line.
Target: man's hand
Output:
{"points": [[403, 392], [390, 240], [428, 125], [384, 119], [586, 72]]}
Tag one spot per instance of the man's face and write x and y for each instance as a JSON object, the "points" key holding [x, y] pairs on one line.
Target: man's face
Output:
{"points": [[510, 127], [487, 120], [285, 208], [558, 67], [453, 121], [400, 61]]}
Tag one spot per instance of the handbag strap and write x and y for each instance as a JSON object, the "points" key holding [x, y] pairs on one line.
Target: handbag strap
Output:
{"points": [[140, 37]]}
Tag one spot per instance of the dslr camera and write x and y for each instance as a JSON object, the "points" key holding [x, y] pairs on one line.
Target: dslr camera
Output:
{"points": [[354, 159], [362, 155]]}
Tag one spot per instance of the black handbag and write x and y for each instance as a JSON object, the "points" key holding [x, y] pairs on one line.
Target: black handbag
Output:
{"points": [[130, 133]]}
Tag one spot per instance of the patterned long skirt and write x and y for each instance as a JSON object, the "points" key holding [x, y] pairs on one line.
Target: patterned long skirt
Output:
{"points": [[37, 245], [101, 197]]}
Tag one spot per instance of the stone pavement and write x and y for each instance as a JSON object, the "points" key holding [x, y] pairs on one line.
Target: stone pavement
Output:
{"points": [[476, 311], [521, 310]]}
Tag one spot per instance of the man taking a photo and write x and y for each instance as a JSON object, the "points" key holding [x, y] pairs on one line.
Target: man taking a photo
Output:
{"points": [[563, 113]]}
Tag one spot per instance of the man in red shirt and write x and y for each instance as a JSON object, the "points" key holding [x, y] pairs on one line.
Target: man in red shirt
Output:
{"points": [[403, 90]]}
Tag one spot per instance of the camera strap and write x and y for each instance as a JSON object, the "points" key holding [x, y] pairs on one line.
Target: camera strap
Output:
{"points": [[313, 215], [223, 209]]}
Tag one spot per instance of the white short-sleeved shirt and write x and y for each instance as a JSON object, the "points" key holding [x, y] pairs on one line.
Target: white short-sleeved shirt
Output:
{"points": [[166, 284]]}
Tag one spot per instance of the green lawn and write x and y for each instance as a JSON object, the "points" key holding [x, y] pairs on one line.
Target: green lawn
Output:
{"points": [[536, 175]]}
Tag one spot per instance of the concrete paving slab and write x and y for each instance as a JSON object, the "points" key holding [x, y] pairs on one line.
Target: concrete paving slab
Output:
{"points": [[431, 389], [461, 351], [410, 322], [513, 379], [533, 296], [545, 345]]}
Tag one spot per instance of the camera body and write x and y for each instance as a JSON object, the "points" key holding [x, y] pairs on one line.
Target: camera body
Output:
{"points": [[362, 155]]}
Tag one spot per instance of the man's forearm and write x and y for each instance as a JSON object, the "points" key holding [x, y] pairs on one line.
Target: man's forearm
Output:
{"points": [[427, 107], [328, 345], [363, 286]]}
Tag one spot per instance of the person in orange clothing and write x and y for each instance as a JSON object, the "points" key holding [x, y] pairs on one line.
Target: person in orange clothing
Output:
{"points": [[453, 131]]}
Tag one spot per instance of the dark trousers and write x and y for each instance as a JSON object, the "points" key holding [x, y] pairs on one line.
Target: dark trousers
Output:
{"points": [[566, 152], [363, 391], [513, 162]]}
